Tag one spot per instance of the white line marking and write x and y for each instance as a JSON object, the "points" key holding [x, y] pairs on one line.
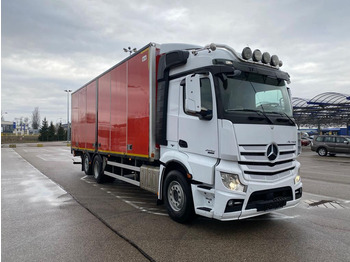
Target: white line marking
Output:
{"points": [[328, 197], [124, 198]]}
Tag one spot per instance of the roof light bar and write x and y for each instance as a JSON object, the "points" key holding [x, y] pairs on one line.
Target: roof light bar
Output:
{"points": [[264, 58]]}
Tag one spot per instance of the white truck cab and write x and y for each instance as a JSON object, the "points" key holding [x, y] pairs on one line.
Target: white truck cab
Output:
{"points": [[228, 142]]}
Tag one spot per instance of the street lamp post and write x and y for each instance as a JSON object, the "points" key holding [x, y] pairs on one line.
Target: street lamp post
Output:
{"points": [[68, 131]]}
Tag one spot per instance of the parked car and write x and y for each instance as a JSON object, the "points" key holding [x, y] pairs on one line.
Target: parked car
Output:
{"points": [[305, 142], [331, 145]]}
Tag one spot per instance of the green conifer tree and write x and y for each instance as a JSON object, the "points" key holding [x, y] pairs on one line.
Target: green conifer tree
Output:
{"points": [[51, 132], [60, 133], [44, 131]]}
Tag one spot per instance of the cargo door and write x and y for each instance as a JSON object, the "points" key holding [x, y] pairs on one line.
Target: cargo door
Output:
{"points": [[138, 105], [104, 109], [118, 109]]}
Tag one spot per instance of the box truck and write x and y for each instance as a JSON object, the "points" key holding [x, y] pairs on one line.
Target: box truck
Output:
{"points": [[207, 129]]}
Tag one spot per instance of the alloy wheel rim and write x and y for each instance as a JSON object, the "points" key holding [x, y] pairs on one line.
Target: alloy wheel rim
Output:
{"points": [[176, 196]]}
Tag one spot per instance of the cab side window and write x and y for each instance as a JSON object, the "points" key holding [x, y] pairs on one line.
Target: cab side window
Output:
{"points": [[206, 96]]}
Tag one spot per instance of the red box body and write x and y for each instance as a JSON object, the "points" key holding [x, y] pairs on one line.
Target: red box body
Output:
{"points": [[117, 105]]}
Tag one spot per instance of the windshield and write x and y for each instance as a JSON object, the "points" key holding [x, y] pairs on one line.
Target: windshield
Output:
{"points": [[253, 92]]}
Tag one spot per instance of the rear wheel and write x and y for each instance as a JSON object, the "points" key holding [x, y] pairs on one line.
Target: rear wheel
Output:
{"points": [[322, 151], [98, 169], [178, 197], [87, 164]]}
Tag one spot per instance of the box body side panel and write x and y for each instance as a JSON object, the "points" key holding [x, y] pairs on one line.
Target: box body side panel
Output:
{"points": [[138, 105], [118, 109], [90, 126], [104, 112], [112, 113], [82, 118], [75, 119]]}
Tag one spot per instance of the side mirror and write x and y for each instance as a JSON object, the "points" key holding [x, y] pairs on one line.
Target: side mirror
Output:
{"points": [[193, 94]]}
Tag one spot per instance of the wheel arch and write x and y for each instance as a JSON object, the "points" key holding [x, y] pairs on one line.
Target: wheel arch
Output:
{"points": [[169, 163]]}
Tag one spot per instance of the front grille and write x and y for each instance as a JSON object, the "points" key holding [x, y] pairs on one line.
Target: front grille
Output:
{"points": [[256, 166], [266, 173]]}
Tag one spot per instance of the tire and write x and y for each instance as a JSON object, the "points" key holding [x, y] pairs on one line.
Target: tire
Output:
{"points": [[178, 197], [87, 165], [97, 169], [322, 151]]}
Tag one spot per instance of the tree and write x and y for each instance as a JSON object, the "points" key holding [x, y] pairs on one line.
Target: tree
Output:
{"points": [[36, 118], [60, 133], [44, 131], [51, 132]]}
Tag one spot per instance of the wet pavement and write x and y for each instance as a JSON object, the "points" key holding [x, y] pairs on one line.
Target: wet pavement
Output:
{"points": [[86, 224], [40, 221]]}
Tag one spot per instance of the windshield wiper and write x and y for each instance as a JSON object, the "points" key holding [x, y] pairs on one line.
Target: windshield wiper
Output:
{"points": [[259, 112], [284, 114]]}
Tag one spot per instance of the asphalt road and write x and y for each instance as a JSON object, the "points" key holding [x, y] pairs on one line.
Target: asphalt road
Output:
{"points": [[317, 230]]}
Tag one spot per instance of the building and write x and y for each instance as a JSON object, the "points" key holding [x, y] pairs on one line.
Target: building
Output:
{"points": [[7, 127]]}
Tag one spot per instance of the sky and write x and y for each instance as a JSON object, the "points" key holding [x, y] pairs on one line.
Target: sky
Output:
{"points": [[49, 46]]}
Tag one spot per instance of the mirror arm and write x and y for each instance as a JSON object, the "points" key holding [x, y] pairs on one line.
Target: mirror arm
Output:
{"points": [[205, 115]]}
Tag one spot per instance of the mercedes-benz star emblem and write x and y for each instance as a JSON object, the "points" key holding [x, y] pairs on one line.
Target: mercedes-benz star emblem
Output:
{"points": [[272, 152]]}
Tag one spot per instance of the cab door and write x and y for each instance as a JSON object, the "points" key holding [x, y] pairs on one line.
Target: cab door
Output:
{"points": [[198, 131]]}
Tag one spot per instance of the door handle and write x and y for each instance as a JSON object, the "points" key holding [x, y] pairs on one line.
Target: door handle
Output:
{"points": [[183, 143]]}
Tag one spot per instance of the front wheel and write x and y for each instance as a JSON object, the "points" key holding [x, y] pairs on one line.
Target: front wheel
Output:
{"points": [[322, 151], [178, 197]]}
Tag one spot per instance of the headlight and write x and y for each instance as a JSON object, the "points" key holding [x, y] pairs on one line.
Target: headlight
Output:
{"points": [[231, 181], [297, 179]]}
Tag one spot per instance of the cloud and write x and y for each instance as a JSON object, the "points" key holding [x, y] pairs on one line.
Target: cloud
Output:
{"points": [[49, 46]]}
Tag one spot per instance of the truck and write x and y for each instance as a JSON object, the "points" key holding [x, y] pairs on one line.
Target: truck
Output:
{"points": [[209, 130]]}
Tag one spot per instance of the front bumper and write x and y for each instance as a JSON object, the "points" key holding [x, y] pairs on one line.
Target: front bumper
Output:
{"points": [[260, 207], [260, 198]]}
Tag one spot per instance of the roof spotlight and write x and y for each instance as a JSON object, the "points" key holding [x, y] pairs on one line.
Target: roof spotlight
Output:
{"points": [[266, 58], [257, 55], [247, 53], [280, 63], [274, 60]]}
